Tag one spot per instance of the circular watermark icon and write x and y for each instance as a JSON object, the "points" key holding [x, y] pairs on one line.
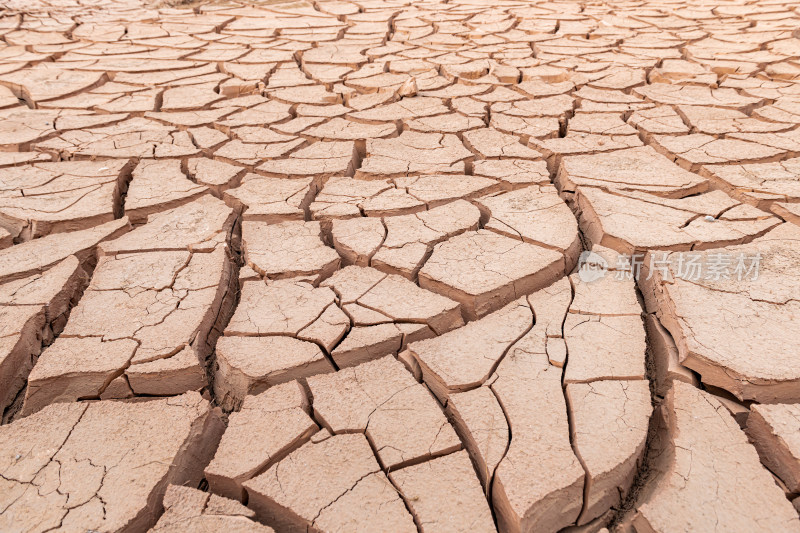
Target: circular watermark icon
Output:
{"points": [[591, 266]]}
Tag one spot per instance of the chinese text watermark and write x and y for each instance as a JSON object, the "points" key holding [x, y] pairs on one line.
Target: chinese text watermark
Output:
{"points": [[689, 266]]}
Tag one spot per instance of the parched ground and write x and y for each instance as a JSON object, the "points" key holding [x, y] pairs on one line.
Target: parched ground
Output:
{"points": [[314, 266]]}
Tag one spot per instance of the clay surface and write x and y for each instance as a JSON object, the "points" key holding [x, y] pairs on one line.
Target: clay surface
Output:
{"points": [[382, 265]]}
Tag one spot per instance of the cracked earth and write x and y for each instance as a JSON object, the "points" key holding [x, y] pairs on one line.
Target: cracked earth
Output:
{"points": [[306, 266]]}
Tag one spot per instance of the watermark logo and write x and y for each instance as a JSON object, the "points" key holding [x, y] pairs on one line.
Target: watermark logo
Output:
{"points": [[689, 266], [591, 266]]}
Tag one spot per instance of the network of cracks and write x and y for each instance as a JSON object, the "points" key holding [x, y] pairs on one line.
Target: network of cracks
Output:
{"points": [[383, 265]]}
